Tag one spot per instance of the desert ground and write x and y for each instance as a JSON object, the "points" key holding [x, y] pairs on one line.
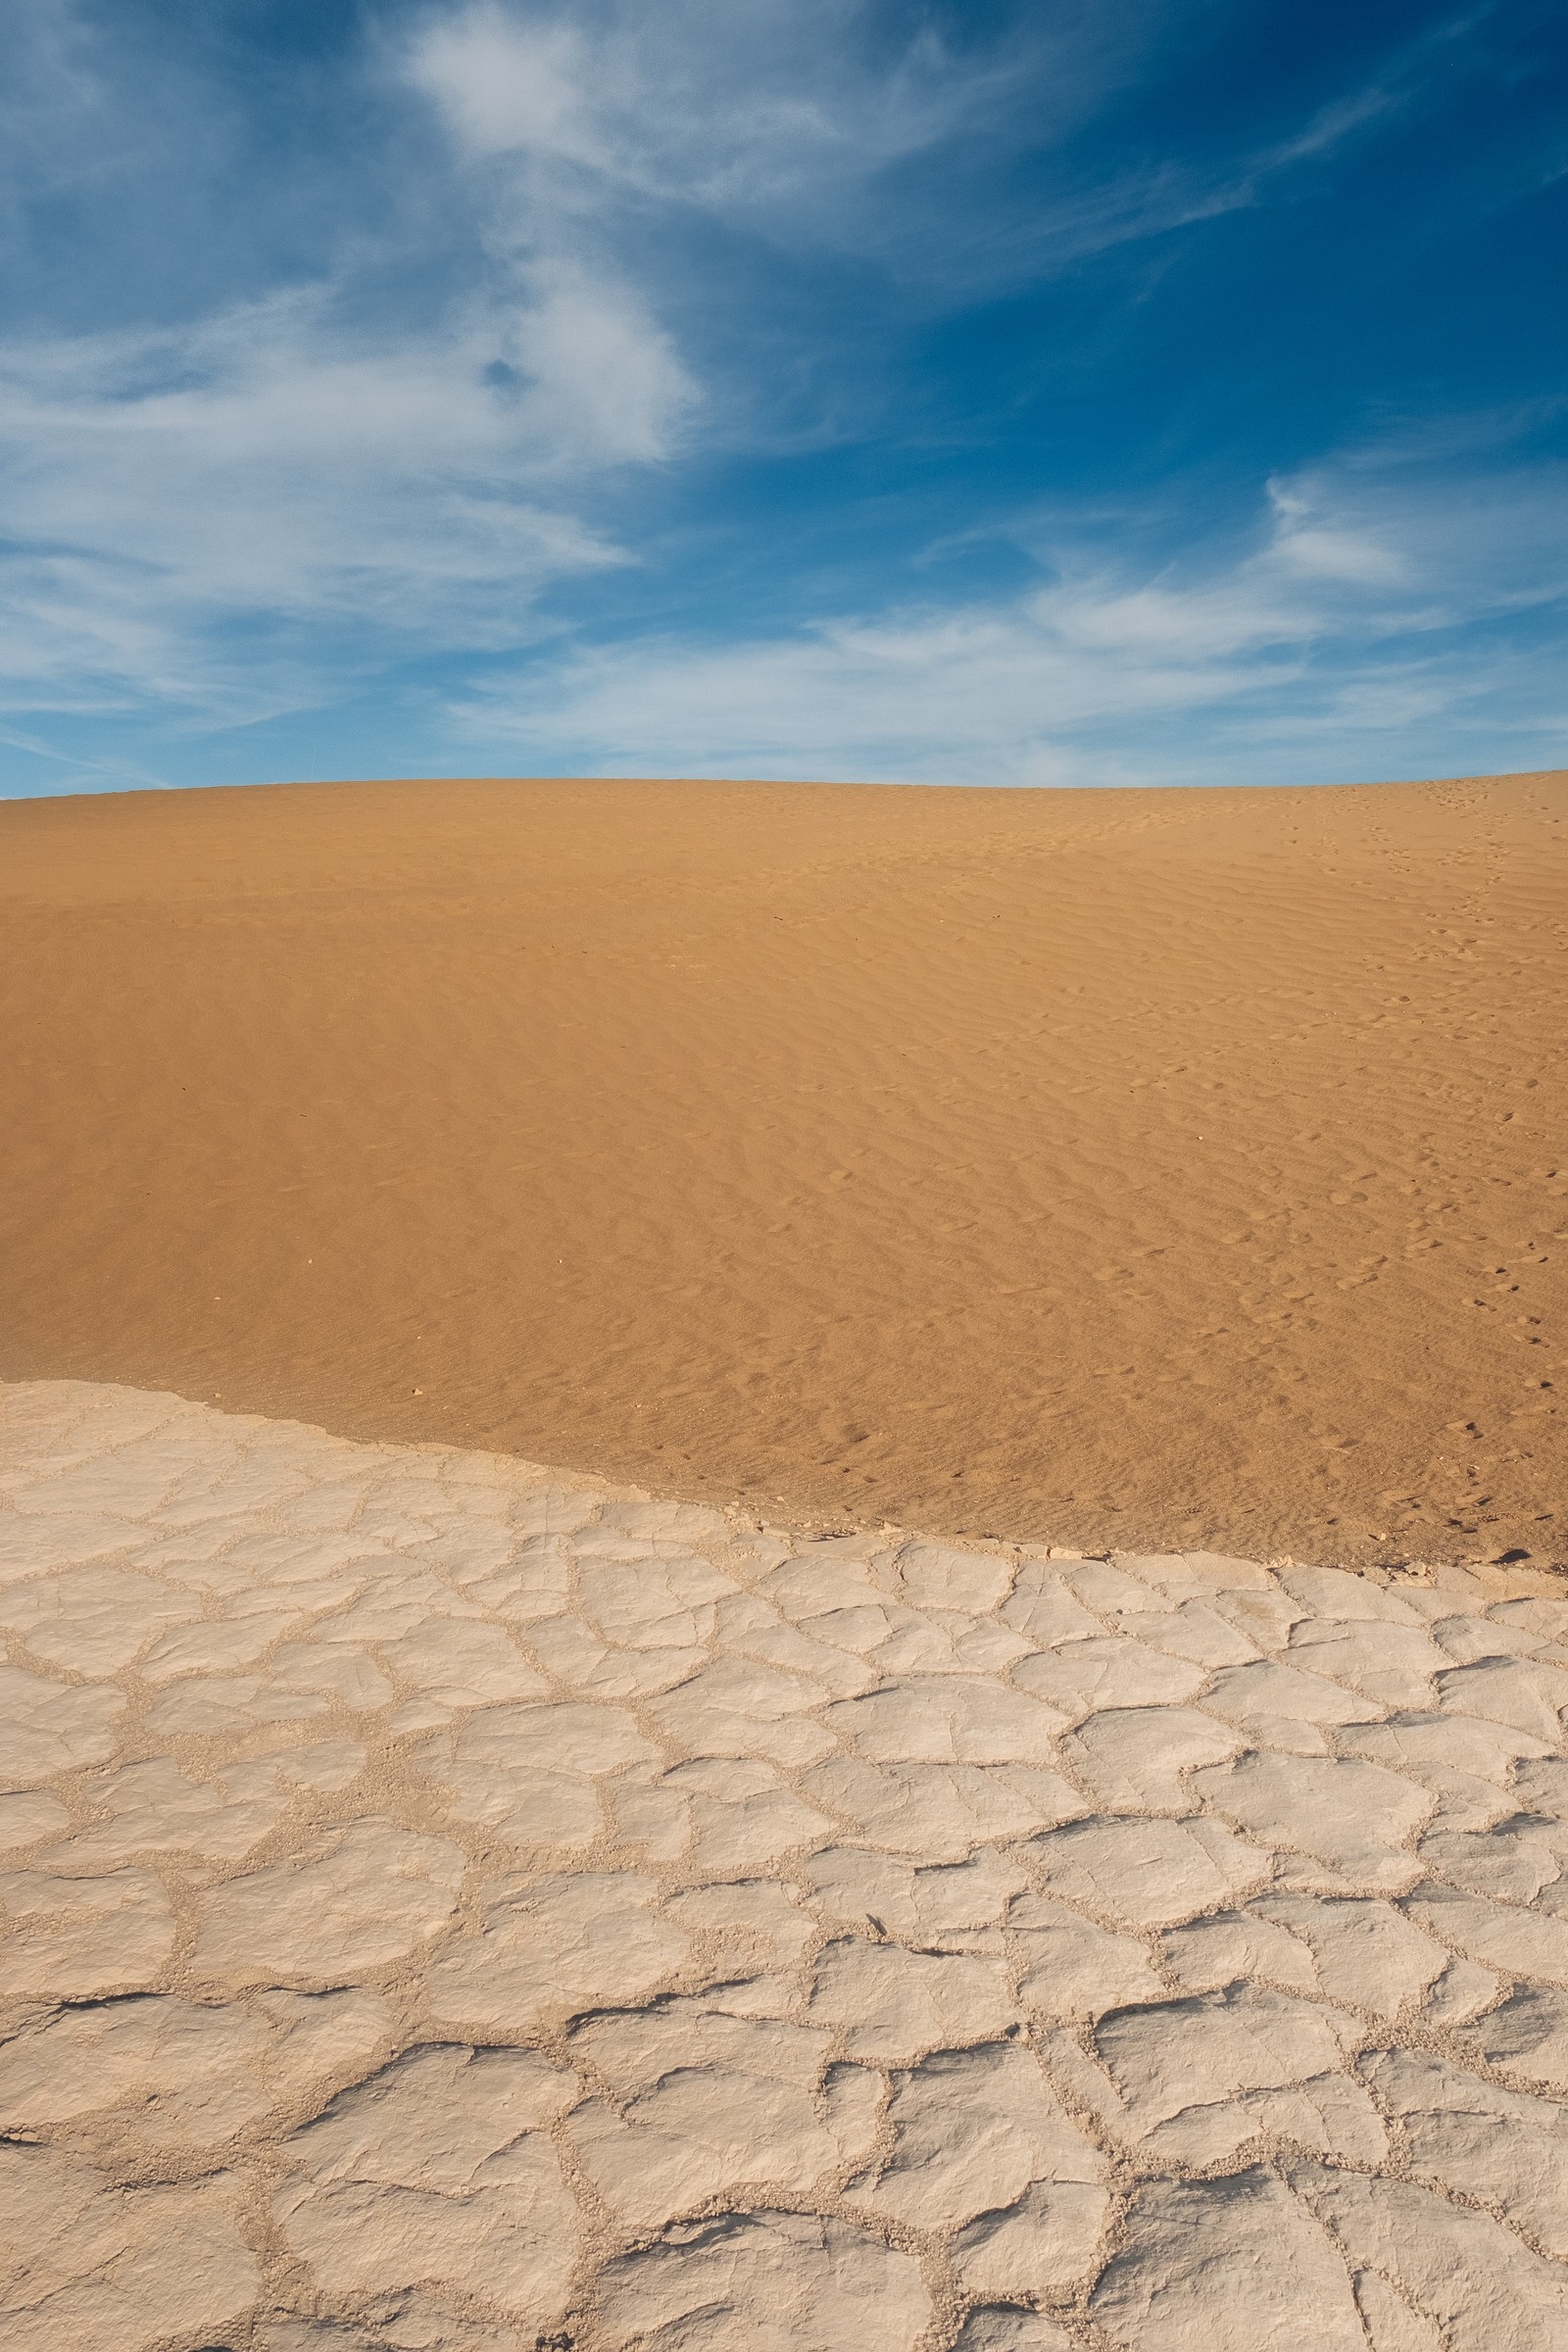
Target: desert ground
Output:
{"points": [[455, 1911], [783, 1570], [1139, 1168]]}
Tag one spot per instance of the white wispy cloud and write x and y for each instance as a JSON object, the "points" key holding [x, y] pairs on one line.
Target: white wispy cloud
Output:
{"points": [[280, 462], [766, 109], [1336, 622], [392, 434], [793, 122], [791, 117], [51, 98], [231, 512]]}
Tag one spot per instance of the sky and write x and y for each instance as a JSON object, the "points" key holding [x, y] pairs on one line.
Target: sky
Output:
{"points": [[1078, 392]]}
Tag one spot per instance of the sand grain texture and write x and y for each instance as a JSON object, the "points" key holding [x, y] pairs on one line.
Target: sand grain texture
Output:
{"points": [[1161, 1169], [447, 1907]]}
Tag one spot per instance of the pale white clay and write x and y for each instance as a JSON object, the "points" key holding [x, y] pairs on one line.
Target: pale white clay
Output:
{"points": [[447, 1906]]}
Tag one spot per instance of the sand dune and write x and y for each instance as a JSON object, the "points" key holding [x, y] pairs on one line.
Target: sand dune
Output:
{"points": [[452, 1909], [450, 1906], [1163, 1169]]}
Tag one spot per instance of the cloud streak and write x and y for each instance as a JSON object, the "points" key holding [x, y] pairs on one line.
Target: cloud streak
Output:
{"points": [[467, 359], [789, 121], [280, 464], [771, 111], [1336, 626]]}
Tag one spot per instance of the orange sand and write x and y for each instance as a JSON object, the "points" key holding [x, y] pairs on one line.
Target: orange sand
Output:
{"points": [[1144, 1168]]}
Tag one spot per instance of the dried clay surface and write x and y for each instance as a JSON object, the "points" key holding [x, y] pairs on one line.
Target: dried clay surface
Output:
{"points": [[452, 1909]]}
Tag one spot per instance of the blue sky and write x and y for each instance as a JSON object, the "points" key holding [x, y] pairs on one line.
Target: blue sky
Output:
{"points": [[1144, 391]]}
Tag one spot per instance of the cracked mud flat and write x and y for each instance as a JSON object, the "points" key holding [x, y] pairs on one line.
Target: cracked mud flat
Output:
{"points": [[450, 1909]]}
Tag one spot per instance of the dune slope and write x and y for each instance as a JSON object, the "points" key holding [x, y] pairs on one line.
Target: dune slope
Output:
{"points": [[1152, 1169]]}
